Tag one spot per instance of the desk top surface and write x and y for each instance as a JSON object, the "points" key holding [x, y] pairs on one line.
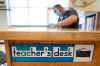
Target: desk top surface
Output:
{"points": [[42, 29], [43, 33]]}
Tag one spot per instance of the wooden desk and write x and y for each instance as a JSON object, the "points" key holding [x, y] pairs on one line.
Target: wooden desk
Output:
{"points": [[46, 35]]}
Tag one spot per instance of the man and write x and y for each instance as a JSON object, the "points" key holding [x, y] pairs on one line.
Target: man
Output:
{"points": [[67, 18]]}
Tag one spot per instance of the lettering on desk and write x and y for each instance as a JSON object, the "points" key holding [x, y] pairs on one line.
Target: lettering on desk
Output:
{"points": [[51, 53], [55, 52]]}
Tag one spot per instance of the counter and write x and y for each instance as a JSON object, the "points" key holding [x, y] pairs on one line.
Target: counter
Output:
{"points": [[50, 35]]}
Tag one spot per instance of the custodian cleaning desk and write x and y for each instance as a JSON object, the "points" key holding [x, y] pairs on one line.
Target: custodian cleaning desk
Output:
{"points": [[24, 36]]}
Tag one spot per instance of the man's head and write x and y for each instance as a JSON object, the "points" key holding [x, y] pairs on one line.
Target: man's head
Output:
{"points": [[58, 9]]}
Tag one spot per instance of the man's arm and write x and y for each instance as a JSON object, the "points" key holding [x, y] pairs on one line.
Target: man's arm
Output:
{"points": [[68, 21]]}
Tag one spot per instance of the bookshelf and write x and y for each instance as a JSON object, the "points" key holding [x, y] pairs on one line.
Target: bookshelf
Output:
{"points": [[92, 21]]}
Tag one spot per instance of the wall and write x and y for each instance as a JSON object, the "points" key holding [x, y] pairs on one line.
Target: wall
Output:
{"points": [[93, 6], [3, 18], [96, 5]]}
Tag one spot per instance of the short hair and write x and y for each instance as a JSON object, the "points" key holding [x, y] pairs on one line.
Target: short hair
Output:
{"points": [[57, 6]]}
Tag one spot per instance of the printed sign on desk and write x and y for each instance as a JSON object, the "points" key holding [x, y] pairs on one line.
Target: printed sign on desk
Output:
{"points": [[2, 55], [42, 53], [83, 53], [52, 53]]}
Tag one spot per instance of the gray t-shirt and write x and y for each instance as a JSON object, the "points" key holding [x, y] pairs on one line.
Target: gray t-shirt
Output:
{"points": [[66, 15]]}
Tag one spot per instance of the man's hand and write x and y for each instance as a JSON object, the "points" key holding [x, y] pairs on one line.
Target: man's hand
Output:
{"points": [[68, 21]]}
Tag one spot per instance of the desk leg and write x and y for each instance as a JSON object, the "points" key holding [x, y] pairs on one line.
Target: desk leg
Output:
{"points": [[8, 53]]}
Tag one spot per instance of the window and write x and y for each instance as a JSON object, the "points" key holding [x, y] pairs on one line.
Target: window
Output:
{"points": [[33, 12]]}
